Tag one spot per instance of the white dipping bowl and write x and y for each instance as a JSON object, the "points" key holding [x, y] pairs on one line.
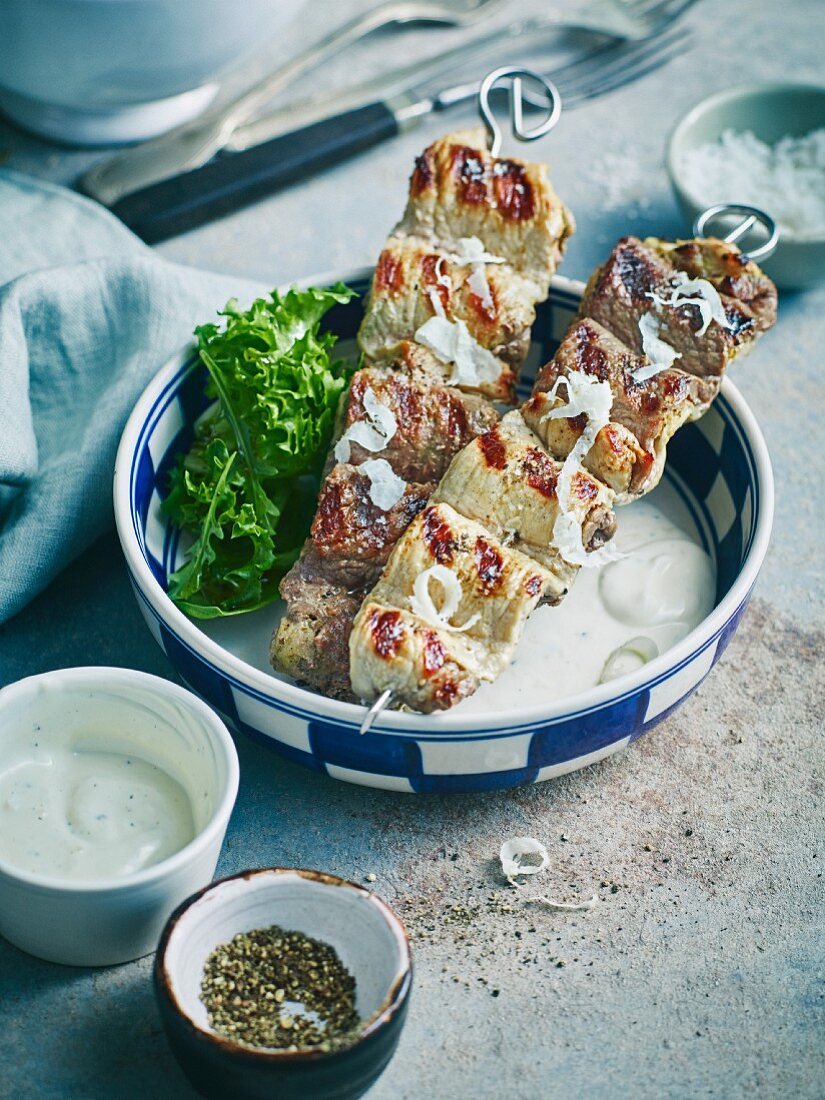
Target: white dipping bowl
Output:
{"points": [[99, 922]]}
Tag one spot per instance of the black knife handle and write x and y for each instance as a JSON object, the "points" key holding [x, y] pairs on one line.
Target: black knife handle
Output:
{"points": [[233, 180]]}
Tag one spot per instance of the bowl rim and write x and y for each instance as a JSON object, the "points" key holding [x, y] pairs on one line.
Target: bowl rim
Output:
{"points": [[728, 95], [311, 706], [396, 997], [94, 676]]}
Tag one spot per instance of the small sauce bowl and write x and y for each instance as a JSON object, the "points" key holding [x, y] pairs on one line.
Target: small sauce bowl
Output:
{"points": [[103, 921], [370, 941], [769, 111]]}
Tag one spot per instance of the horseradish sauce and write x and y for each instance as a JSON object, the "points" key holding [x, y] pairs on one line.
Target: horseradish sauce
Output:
{"points": [[71, 809], [617, 616]]}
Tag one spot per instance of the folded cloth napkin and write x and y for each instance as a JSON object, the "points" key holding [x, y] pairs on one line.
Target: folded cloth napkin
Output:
{"points": [[88, 314]]}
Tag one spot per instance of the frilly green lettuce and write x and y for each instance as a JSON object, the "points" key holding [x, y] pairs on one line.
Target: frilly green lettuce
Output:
{"points": [[246, 490]]}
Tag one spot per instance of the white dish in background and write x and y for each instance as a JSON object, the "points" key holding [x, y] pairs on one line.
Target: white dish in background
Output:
{"points": [[98, 921], [101, 72]]}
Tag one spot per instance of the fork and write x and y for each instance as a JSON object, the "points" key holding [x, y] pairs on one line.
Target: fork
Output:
{"points": [[173, 206], [620, 20], [194, 143], [629, 18]]}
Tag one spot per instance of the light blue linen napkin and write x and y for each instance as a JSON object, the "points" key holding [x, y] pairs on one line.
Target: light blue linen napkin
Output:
{"points": [[88, 314]]}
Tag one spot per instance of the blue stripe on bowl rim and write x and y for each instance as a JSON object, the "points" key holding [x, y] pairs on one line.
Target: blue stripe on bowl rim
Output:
{"points": [[308, 706]]}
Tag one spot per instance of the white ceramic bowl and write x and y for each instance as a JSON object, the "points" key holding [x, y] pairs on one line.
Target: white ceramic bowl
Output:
{"points": [[770, 111], [369, 940], [718, 466], [96, 72], [98, 922]]}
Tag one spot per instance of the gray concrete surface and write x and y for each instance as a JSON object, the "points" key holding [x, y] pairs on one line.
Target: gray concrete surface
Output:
{"points": [[700, 971]]}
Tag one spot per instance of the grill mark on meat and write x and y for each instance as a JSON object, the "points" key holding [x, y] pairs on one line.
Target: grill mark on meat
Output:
{"points": [[329, 517], [387, 632], [590, 358], [434, 653], [429, 277], [739, 322], [446, 693], [349, 526], [494, 451], [389, 274], [637, 274], [471, 175], [532, 586], [513, 191], [489, 565], [457, 423], [438, 536], [423, 173], [540, 472], [357, 390]]}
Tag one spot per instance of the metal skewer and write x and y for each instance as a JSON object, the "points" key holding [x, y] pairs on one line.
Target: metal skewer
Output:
{"points": [[516, 77], [753, 216], [381, 703]]}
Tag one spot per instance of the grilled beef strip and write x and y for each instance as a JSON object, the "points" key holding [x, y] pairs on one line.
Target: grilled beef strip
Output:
{"points": [[504, 483], [351, 538], [457, 191]]}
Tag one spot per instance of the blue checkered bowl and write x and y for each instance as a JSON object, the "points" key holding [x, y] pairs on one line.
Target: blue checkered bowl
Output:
{"points": [[719, 466]]}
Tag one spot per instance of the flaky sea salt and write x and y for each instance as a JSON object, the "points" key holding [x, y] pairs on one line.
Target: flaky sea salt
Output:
{"points": [[786, 179]]}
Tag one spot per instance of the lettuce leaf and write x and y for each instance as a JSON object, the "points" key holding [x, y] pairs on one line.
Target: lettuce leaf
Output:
{"points": [[247, 488]]}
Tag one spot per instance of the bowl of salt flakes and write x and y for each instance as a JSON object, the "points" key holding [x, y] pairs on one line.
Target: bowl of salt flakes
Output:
{"points": [[761, 145]]}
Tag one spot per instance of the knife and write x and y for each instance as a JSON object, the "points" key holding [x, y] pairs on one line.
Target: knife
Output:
{"points": [[309, 140], [176, 205]]}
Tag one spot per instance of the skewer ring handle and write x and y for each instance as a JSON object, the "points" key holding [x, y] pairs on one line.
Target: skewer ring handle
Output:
{"points": [[751, 216], [515, 76]]}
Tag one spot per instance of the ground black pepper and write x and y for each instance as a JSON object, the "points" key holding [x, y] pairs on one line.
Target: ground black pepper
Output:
{"points": [[279, 989]]}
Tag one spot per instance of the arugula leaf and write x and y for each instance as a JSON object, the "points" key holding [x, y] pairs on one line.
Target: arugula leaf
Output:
{"points": [[247, 488]]}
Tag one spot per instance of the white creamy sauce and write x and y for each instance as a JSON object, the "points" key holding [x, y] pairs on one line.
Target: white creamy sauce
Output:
{"points": [[641, 604], [72, 810]]}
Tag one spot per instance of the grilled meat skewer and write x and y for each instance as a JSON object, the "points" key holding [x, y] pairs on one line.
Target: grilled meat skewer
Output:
{"points": [[446, 329], [603, 440]]}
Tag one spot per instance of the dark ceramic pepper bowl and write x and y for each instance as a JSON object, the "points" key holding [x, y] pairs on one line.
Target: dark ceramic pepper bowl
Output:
{"points": [[370, 941]]}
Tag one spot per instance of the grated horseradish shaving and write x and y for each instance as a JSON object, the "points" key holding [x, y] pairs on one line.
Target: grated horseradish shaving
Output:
{"points": [[660, 355], [373, 434], [706, 300], [435, 300], [585, 395], [423, 605], [451, 342], [512, 855], [386, 487], [479, 285], [628, 657], [471, 251], [572, 907], [440, 274]]}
